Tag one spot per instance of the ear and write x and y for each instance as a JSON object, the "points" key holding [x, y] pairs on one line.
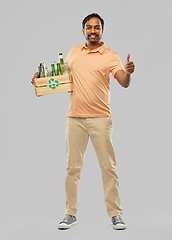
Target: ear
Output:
{"points": [[83, 32]]}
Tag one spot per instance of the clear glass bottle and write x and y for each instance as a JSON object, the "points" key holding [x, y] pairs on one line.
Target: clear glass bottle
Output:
{"points": [[45, 70], [62, 64], [42, 70]]}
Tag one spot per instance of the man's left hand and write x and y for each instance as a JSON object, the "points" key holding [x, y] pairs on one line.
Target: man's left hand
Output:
{"points": [[129, 66]]}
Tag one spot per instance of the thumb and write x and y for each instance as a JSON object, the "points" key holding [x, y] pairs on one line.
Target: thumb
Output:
{"points": [[128, 57]]}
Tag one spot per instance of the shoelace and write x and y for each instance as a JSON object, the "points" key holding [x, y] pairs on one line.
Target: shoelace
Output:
{"points": [[118, 219], [66, 218]]}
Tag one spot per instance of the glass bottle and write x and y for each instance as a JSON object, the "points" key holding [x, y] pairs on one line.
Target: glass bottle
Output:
{"points": [[39, 70], [62, 64], [53, 69], [58, 69], [45, 70], [42, 74]]}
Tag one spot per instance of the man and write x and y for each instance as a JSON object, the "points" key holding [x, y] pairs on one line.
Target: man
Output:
{"points": [[89, 115]]}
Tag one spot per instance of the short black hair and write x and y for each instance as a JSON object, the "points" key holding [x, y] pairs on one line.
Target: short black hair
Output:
{"points": [[91, 16]]}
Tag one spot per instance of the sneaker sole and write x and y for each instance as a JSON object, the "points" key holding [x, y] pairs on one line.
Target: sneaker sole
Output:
{"points": [[119, 226], [65, 226]]}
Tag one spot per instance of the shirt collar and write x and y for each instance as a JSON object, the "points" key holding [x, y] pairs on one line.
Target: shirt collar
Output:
{"points": [[100, 49]]}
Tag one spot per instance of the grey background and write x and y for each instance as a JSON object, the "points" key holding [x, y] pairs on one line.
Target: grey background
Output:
{"points": [[32, 130]]}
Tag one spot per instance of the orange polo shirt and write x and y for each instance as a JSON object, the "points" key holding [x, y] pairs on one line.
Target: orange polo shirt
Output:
{"points": [[91, 79]]}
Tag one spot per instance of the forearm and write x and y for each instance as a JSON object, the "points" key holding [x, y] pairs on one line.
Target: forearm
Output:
{"points": [[126, 80]]}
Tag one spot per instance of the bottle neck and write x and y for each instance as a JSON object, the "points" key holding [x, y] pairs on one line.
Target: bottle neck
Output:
{"points": [[61, 58]]}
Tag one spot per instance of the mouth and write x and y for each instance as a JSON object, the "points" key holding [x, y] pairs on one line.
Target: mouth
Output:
{"points": [[92, 36]]}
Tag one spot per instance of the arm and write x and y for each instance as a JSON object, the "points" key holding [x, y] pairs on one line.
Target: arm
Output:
{"points": [[123, 77]]}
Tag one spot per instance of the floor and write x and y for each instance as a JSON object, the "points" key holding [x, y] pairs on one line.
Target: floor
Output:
{"points": [[39, 222]]}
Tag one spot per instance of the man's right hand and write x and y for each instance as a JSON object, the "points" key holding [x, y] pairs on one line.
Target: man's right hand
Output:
{"points": [[34, 76]]}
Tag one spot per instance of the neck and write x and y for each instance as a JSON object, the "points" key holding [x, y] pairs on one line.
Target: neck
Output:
{"points": [[92, 46]]}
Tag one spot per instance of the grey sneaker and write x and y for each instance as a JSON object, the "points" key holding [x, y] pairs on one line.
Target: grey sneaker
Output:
{"points": [[118, 223], [67, 222]]}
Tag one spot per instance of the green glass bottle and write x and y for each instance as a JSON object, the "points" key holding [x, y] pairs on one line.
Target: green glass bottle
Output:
{"points": [[58, 69], [53, 69], [39, 71]]}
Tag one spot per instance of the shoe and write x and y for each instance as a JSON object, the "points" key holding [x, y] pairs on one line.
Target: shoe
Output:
{"points": [[118, 223], [67, 222]]}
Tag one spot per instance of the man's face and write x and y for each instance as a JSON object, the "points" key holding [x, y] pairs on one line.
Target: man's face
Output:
{"points": [[93, 30]]}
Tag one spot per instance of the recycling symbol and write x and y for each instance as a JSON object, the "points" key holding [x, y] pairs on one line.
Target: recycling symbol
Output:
{"points": [[53, 83]]}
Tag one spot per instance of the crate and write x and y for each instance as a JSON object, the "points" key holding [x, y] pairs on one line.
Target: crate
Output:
{"points": [[54, 84]]}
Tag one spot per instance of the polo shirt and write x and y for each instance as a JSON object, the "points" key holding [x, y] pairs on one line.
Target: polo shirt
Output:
{"points": [[91, 80]]}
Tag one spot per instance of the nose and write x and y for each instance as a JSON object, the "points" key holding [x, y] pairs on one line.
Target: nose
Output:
{"points": [[93, 30]]}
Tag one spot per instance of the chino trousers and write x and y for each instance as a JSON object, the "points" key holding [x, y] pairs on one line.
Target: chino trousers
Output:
{"points": [[78, 132]]}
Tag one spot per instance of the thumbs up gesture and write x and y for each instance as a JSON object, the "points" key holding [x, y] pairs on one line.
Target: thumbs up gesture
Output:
{"points": [[129, 66]]}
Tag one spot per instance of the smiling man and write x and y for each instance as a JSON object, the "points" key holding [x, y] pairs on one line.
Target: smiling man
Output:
{"points": [[89, 116]]}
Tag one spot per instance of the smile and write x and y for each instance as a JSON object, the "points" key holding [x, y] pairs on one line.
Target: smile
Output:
{"points": [[93, 36]]}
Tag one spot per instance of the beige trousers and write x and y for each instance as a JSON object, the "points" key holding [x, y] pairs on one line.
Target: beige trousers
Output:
{"points": [[78, 131]]}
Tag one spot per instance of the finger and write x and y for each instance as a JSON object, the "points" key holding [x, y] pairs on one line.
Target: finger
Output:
{"points": [[128, 57], [129, 63], [129, 70], [130, 67]]}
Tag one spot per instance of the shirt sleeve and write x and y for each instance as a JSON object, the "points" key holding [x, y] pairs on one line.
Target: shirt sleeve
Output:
{"points": [[115, 64]]}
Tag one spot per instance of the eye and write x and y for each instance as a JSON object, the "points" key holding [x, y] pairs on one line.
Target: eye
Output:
{"points": [[88, 28]]}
